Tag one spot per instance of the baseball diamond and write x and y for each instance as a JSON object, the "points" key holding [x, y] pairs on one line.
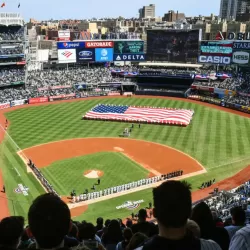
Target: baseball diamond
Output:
{"points": [[74, 147]]}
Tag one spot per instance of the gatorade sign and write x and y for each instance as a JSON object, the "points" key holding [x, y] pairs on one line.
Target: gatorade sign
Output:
{"points": [[241, 57]]}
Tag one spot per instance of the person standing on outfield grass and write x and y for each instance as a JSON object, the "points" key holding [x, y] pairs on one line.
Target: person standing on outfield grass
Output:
{"points": [[139, 125], [3, 189]]}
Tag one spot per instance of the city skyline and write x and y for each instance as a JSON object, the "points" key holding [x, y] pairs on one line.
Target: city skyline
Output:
{"points": [[47, 9]]}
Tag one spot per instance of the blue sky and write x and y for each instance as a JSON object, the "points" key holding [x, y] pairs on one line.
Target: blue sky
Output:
{"points": [[80, 9]]}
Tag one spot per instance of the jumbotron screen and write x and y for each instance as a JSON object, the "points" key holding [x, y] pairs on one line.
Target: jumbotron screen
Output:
{"points": [[173, 45]]}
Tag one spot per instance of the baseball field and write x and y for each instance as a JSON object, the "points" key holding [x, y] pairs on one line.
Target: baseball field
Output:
{"points": [[72, 152]]}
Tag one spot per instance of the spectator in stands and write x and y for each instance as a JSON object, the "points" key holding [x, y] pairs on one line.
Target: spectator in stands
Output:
{"points": [[104, 229], [238, 221], [203, 217], [172, 208], [137, 241], [26, 241], [49, 221], [112, 236], [194, 228], [241, 239], [143, 226], [70, 240], [87, 236], [218, 221], [11, 230], [99, 224], [127, 235]]}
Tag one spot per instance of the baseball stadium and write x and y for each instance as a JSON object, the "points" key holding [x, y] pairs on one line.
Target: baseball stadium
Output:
{"points": [[73, 153], [103, 130]]}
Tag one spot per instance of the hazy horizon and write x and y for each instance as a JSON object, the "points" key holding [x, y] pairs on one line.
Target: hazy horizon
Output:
{"points": [[55, 9]]}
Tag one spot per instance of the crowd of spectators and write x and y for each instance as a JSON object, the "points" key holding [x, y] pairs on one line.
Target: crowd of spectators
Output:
{"points": [[12, 35], [41, 83], [218, 223], [10, 76], [226, 84], [237, 99], [11, 51]]}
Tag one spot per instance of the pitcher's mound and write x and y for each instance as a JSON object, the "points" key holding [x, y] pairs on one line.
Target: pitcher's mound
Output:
{"points": [[93, 174]]}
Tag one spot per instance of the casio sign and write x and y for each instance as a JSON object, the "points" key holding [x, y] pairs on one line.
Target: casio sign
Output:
{"points": [[241, 57], [215, 59], [85, 53]]}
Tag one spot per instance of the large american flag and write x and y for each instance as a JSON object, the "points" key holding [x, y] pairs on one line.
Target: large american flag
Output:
{"points": [[141, 114]]}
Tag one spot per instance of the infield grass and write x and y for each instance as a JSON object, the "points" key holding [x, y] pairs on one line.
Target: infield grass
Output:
{"points": [[220, 141], [67, 175]]}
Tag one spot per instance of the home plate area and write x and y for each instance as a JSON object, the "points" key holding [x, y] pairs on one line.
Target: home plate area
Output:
{"points": [[154, 115]]}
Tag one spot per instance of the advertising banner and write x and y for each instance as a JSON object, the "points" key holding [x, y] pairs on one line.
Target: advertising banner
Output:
{"points": [[241, 52], [85, 55], [129, 57], [219, 91], [173, 45], [129, 47], [38, 100], [67, 56], [70, 45], [61, 87], [18, 102], [21, 63], [99, 44], [104, 55], [42, 89], [216, 48], [4, 105], [225, 60], [62, 97], [64, 35], [216, 52]]}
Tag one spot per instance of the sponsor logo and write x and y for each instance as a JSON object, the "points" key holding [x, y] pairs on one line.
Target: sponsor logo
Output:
{"points": [[215, 59], [21, 190], [70, 45], [67, 54], [85, 53], [38, 100], [241, 45], [219, 36], [241, 57], [233, 36], [104, 52], [129, 57], [130, 205], [99, 44]]}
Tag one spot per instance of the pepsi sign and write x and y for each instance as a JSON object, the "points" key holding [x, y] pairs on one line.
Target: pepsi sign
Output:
{"points": [[85, 55], [70, 45]]}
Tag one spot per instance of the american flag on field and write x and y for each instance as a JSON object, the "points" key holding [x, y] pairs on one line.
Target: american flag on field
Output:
{"points": [[141, 114], [67, 54]]}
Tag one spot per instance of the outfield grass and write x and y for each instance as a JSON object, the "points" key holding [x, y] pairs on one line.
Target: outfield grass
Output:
{"points": [[67, 175], [218, 140]]}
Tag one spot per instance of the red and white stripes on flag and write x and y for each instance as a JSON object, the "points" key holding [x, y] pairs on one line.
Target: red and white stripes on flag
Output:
{"points": [[147, 114]]}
